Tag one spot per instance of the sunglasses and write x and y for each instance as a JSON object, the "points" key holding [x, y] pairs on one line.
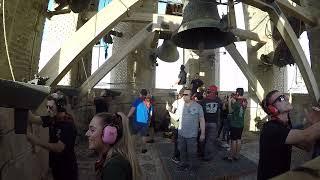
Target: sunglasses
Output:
{"points": [[50, 107], [279, 98], [186, 94]]}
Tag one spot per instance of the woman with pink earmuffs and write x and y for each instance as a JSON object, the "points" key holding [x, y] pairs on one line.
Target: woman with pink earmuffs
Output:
{"points": [[109, 136]]}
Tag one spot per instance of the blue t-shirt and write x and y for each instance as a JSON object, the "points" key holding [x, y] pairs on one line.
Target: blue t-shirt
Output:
{"points": [[142, 112]]}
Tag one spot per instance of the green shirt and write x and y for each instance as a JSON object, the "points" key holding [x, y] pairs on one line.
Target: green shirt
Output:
{"points": [[117, 168], [237, 119]]}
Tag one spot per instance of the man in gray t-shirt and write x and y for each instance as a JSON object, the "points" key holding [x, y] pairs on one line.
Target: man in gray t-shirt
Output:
{"points": [[189, 114]]}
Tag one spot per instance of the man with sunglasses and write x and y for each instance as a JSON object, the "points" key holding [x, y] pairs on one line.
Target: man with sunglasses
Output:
{"points": [[62, 136], [277, 137], [190, 115]]}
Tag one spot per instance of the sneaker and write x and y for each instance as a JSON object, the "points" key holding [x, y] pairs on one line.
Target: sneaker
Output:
{"points": [[175, 160], [236, 158], [150, 141], [229, 159], [225, 145], [183, 168], [144, 151], [207, 158]]}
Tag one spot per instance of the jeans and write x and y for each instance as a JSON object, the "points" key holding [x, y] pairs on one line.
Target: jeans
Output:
{"points": [[176, 152], [211, 134], [188, 152]]}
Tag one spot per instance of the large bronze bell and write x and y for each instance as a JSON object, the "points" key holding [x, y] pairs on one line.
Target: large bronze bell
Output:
{"points": [[201, 27], [168, 51]]}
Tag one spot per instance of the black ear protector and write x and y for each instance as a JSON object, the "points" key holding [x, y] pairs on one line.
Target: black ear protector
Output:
{"points": [[60, 101]]}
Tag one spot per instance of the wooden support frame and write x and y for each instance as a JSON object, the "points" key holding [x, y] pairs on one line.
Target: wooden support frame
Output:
{"points": [[287, 33], [115, 59], [175, 21], [297, 11], [290, 38], [294, 10], [83, 39], [253, 81]]}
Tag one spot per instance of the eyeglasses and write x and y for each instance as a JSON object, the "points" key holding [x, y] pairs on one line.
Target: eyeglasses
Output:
{"points": [[280, 99], [186, 94]]}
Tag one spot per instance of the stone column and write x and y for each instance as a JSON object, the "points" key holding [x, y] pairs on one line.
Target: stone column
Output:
{"points": [[136, 70]]}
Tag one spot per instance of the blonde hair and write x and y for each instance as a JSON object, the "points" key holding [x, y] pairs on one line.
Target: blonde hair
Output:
{"points": [[124, 147]]}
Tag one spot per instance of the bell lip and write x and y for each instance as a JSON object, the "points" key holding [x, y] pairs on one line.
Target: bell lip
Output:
{"points": [[202, 23]]}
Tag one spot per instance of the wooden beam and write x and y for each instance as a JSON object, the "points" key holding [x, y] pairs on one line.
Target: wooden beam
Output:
{"points": [[294, 10], [174, 22], [82, 40], [242, 64], [115, 59], [297, 11], [246, 34], [289, 36]]}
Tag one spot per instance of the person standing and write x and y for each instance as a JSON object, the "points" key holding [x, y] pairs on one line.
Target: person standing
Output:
{"points": [[190, 115], [142, 109], [102, 102], [182, 78], [175, 122], [62, 136], [237, 105], [196, 83], [277, 136], [211, 105]]}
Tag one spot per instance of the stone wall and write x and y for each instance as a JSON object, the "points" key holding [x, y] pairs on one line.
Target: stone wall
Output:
{"points": [[24, 25], [18, 159]]}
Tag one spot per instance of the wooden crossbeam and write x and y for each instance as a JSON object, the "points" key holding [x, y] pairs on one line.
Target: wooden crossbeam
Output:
{"points": [[291, 40], [294, 10], [245, 34], [82, 40], [115, 59], [289, 36], [252, 80], [297, 11]]}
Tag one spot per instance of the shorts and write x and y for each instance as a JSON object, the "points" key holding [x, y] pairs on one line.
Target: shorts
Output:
{"points": [[140, 129], [235, 133]]}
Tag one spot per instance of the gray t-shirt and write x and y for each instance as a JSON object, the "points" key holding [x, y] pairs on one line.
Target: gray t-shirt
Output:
{"points": [[189, 116]]}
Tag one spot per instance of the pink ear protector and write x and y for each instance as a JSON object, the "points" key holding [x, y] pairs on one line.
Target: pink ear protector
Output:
{"points": [[112, 132], [109, 135]]}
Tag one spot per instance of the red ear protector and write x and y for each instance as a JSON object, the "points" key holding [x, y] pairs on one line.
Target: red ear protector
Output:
{"points": [[112, 132], [269, 108], [272, 110]]}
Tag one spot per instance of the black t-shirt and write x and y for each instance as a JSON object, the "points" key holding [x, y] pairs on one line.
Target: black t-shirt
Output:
{"points": [[118, 168], [211, 108], [196, 83], [275, 155], [183, 78], [101, 105], [63, 164]]}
